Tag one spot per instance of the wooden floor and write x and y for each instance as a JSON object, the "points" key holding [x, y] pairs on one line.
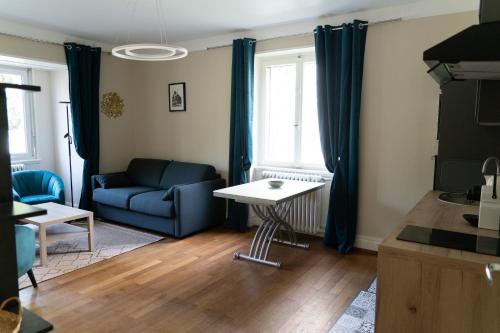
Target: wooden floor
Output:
{"points": [[193, 285]]}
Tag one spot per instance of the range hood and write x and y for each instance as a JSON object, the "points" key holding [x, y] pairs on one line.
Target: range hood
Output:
{"points": [[472, 54]]}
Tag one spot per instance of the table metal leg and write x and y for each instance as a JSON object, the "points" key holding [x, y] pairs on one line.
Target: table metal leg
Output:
{"points": [[273, 222], [239, 255]]}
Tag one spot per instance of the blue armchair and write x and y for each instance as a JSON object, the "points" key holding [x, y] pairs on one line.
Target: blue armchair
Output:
{"points": [[25, 251], [37, 186]]}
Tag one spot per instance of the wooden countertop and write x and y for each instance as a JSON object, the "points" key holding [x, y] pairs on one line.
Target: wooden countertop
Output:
{"points": [[432, 213]]}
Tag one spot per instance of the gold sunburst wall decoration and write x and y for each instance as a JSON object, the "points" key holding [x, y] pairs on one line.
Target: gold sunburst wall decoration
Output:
{"points": [[112, 105]]}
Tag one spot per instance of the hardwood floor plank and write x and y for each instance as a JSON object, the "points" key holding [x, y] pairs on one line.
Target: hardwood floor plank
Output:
{"points": [[195, 285]]}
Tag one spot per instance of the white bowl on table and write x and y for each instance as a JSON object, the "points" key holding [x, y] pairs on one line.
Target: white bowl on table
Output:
{"points": [[275, 183]]}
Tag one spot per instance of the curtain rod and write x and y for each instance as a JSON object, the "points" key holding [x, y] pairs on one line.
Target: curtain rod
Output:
{"points": [[339, 27], [37, 40], [308, 33], [208, 48], [31, 39]]}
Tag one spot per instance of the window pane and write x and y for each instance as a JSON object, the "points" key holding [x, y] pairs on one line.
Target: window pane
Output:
{"points": [[280, 106], [15, 112], [310, 142]]}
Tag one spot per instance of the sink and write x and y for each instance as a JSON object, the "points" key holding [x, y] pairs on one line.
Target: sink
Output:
{"points": [[457, 199]]}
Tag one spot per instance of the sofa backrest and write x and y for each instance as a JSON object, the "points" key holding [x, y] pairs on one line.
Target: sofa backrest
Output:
{"points": [[177, 173], [146, 171]]}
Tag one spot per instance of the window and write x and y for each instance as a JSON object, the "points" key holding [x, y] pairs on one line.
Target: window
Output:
{"points": [[287, 130], [20, 114]]}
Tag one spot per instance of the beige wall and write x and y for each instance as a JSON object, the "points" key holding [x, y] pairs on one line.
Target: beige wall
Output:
{"points": [[23, 48], [116, 135], [201, 133], [398, 116]]}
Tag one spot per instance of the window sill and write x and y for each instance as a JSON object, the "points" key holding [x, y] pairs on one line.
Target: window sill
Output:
{"points": [[322, 172], [29, 162]]}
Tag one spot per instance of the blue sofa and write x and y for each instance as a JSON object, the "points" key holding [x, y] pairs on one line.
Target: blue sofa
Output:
{"points": [[170, 197], [34, 187]]}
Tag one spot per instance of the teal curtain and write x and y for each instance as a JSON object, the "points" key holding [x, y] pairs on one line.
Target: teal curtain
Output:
{"points": [[240, 139], [339, 61], [84, 70]]}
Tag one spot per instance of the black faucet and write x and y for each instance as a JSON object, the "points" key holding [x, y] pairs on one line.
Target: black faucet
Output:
{"points": [[485, 165]]}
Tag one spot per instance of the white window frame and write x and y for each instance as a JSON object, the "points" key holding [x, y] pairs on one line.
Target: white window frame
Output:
{"points": [[299, 57], [29, 114]]}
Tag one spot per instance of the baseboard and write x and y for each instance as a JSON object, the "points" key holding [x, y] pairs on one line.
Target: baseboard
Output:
{"points": [[253, 220], [367, 242]]}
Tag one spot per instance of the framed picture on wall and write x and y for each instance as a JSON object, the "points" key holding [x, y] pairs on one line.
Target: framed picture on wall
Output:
{"points": [[177, 97]]}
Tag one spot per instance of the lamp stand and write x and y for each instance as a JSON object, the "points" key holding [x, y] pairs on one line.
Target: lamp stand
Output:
{"points": [[70, 141]]}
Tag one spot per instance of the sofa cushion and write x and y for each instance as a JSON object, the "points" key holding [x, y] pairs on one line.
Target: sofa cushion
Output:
{"points": [[118, 197], [151, 203], [38, 199], [186, 173], [113, 180], [146, 172]]}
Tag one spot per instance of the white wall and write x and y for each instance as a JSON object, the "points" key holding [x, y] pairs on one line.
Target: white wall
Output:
{"points": [[60, 92], [42, 105]]}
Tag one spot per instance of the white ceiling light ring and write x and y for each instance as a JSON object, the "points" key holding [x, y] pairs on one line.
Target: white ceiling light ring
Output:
{"points": [[155, 51], [167, 51], [170, 52]]}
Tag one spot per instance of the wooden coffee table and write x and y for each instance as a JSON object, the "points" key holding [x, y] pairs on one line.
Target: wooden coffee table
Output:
{"points": [[52, 226]]}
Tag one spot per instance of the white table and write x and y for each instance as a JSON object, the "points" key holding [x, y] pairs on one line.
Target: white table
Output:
{"points": [[272, 207], [55, 219]]}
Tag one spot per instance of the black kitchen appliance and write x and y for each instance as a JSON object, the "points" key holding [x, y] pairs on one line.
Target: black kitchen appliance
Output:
{"points": [[472, 54]]}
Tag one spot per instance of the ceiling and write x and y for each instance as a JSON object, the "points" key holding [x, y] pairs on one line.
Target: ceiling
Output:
{"points": [[113, 21]]}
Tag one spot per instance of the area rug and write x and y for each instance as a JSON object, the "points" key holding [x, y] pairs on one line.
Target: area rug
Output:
{"points": [[68, 255], [359, 317]]}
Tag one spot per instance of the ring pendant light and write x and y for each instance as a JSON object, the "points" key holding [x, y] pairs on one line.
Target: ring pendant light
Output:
{"points": [[152, 51]]}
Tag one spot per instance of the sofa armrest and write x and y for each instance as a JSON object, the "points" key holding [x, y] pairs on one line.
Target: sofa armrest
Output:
{"points": [[25, 248], [95, 184], [57, 190], [196, 208], [15, 195]]}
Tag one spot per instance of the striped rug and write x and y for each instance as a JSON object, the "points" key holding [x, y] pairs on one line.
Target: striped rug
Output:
{"points": [[68, 255]]}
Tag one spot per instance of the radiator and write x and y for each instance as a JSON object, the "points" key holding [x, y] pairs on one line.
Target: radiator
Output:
{"points": [[16, 167], [305, 213]]}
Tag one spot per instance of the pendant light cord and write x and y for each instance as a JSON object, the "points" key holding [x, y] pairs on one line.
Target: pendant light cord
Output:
{"points": [[164, 20], [132, 21]]}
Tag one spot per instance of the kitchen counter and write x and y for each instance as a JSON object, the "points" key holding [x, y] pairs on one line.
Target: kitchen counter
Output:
{"points": [[424, 288], [432, 213]]}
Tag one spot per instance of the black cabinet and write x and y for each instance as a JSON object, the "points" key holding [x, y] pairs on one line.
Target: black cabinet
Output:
{"points": [[463, 143], [10, 212]]}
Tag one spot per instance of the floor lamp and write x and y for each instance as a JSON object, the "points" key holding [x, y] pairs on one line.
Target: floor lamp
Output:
{"points": [[70, 141]]}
